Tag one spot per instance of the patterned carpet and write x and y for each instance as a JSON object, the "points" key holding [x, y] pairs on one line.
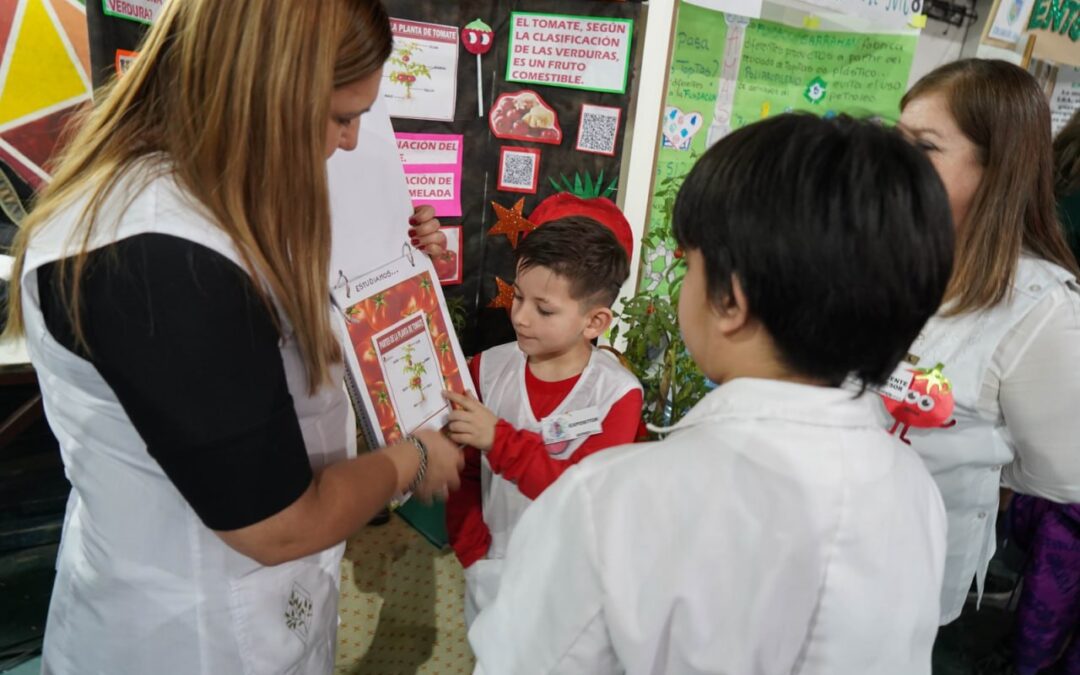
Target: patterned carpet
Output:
{"points": [[401, 606]]}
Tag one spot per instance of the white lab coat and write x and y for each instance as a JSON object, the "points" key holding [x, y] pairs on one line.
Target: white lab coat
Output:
{"points": [[142, 586], [983, 354], [778, 529]]}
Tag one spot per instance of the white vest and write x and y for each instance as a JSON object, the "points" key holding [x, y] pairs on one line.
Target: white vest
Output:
{"points": [[502, 387], [966, 458], [142, 585]]}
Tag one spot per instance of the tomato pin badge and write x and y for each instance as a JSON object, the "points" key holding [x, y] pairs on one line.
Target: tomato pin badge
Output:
{"points": [[927, 404], [477, 38]]}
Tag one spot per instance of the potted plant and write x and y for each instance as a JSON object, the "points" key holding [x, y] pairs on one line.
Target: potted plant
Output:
{"points": [[648, 323]]}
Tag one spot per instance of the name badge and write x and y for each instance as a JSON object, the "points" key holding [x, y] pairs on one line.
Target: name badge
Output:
{"points": [[571, 425], [899, 383]]}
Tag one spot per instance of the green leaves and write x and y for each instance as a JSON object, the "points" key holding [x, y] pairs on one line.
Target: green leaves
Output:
{"points": [[584, 186], [459, 313], [654, 348]]}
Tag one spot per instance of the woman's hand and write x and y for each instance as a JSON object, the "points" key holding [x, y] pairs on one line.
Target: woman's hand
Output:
{"points": [[444, 464], [424, 232]]}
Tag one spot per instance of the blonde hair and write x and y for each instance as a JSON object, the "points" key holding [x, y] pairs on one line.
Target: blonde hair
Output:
{"points": [[1003, 111], [236, 96]]}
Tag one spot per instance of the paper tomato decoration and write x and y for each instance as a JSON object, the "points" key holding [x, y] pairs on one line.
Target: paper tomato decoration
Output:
{"points": [[525, 116], [477, 38], [590, 199], [927, 404]]}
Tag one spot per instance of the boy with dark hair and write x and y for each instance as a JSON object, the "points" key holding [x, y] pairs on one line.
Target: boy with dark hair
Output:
{"points": [[550, 399], [778, 528]]}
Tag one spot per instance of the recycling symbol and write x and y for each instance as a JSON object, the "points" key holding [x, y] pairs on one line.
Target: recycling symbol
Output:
{"points": [[816, 90]]}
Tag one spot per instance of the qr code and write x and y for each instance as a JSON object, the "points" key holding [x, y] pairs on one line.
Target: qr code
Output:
{"points": [[519, 171], [598, 130], [124, 60]]}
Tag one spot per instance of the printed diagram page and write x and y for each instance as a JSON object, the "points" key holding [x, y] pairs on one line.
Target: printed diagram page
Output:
{"points": [[404, 352], [411, 371]]}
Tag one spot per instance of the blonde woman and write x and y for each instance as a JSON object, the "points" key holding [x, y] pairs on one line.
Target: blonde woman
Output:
{"points": [[997, 369], [172, 286]]}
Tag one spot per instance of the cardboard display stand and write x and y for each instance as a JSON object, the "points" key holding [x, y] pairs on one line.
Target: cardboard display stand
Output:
{"points": [[483, 258], [487, 259]]}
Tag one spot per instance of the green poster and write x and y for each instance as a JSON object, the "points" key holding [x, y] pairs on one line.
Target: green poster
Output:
{"points": [[727, 72], [688, 112], [784, 69]]}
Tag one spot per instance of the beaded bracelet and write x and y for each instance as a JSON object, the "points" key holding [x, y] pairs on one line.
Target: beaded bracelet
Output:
{"points": [[422, 449]]}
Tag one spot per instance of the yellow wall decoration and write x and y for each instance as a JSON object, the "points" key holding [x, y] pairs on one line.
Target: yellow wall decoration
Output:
{"points": [[44, 78]]}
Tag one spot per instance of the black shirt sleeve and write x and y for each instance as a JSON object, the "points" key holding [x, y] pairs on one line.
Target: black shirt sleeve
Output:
{"points": [[182, 337]]}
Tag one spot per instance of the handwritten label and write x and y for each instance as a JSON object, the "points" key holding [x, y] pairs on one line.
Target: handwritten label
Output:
{"points": [[578, 52]]}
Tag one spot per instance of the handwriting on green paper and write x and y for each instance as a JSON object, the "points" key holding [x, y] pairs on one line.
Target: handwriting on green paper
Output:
{"points": [[865, 74]]}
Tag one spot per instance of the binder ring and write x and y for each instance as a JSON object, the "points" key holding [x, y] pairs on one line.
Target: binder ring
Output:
{"points": [[343, 280], [407, 252]]}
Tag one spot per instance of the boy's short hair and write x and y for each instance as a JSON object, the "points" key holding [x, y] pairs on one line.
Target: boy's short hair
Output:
{"points": [[839, 232], [581, 250]]}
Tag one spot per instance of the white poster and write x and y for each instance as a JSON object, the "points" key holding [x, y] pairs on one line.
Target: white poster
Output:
{"points": [[884, 15], [1065, 100], [411, 372], [142, 11], [747, 8], [1010, 20], [562, 50], [421, 75]]}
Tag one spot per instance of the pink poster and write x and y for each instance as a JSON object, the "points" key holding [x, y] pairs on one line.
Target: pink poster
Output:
{"points": [[433, 170]]}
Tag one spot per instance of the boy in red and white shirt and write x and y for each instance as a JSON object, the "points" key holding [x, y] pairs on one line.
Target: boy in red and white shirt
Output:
{"points": [[549, 400]]}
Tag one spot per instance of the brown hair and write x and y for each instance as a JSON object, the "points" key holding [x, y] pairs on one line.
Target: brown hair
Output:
{"points": [[581, 250], [1003, 111], [236, 97], [1067, 158]]}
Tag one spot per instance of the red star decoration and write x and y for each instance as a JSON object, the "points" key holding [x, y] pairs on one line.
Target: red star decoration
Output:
{"points": [[511, 222], [505, 297]]}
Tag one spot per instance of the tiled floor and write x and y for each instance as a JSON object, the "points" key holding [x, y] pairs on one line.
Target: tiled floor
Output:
{"points": [[401, 607]]}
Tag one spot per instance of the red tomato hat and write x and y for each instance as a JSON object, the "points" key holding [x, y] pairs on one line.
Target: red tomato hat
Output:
{"points": [[600, 209]]}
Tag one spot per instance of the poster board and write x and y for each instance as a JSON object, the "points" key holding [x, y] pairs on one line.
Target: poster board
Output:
{"points": [[728, 71], [421, 76], [1007, 23], [44, 82], [1065, 97], [485, 260], [1055, 25], [506, 155]]}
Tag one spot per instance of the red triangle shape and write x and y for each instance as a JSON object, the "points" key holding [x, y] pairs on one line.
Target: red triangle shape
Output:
{"points": [[21, 169], [38, 140], [7, 18]]}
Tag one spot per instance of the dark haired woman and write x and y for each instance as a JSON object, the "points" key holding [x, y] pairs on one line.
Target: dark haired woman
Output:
{"points": [[1004, 350]]}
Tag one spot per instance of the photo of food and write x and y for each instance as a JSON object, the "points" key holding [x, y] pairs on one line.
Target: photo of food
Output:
{"points": [[525, 116]]}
